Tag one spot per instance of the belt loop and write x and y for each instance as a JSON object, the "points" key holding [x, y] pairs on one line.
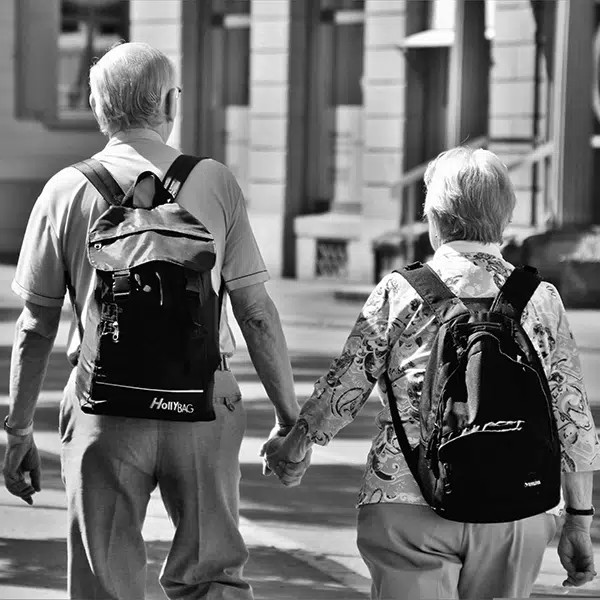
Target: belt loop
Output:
{"points": [[224, 364]]}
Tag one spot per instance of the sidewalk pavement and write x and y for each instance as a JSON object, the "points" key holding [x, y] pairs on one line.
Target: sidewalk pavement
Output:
{"points": [[277, 568]]}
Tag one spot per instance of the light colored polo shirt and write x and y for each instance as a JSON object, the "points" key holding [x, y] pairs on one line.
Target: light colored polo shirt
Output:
{"points": [[53, 255]]}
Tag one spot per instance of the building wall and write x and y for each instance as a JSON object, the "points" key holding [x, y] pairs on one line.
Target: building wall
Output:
{"points": [[267, 139], [29, 152], [512, 95], [384, 105], [383, 120]]}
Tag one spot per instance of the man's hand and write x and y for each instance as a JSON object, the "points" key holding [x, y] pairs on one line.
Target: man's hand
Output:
{"points": [[22, 457], [286, 461], [576, 553], [279, 431]]}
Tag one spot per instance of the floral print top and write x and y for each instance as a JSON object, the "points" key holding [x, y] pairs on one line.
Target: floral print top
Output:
{"points": [[396, 329]]}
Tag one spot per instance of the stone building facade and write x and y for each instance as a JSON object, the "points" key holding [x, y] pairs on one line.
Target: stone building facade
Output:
{"points": [[325, 110]]}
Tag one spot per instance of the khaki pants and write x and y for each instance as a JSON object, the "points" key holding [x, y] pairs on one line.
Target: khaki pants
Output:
{"points": [[110, 467], [413, 554]]}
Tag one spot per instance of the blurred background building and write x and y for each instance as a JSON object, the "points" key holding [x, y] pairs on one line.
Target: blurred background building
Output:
{"points": [[327, 111]]}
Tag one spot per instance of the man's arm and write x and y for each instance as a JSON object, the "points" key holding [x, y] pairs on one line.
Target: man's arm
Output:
{"points": [[35, 332], [259, 321]]}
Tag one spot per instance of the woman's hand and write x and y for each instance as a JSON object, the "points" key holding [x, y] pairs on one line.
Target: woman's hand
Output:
{"points": [[286, 457]]}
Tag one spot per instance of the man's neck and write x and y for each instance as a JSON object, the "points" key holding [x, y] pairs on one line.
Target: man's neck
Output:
{"points": [[144, 133]]}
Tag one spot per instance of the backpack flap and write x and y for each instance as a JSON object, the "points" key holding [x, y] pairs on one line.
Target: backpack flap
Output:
{"points": [[124, 238]]}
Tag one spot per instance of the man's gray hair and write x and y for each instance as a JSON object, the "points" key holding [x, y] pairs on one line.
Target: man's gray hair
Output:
{"points": [[469, 195], [128, 85]]}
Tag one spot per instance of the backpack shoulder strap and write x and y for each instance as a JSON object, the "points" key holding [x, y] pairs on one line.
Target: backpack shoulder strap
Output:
{"points": [[102, 180], [178, 172], [516, 292], [434, 292]]}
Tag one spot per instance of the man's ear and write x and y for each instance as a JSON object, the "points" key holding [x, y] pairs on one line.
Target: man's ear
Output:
{"points": [[171, 105]]}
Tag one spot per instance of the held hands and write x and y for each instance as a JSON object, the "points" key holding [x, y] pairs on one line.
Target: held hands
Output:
{"points": [[282, 457], [576, 553], [21, 456]]}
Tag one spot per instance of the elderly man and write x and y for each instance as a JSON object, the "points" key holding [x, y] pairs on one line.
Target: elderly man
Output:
{"points": [[112, 464], [412, 552]]}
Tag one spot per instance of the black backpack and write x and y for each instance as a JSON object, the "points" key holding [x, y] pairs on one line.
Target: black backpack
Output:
{"points": [[150, 346], [489, 449]]}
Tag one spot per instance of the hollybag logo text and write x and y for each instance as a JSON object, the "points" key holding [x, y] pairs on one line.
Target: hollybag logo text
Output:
{"points": [[171, 405]]}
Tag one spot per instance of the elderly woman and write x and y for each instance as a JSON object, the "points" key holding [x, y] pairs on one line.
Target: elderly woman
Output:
{"points": [[412, 552]]}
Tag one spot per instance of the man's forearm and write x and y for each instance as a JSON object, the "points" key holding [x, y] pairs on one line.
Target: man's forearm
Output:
{"points": [[268, 350], [31, 350]]}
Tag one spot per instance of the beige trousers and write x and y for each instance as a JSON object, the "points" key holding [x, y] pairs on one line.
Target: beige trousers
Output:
{"points": [[413, 554], [111, 465]]}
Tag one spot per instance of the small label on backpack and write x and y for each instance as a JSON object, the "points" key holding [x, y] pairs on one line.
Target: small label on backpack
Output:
{"points": [[171, 405], [533, 483]]}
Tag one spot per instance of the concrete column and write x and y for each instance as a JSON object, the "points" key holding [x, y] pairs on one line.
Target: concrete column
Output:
{"points": [[267, 140], [572, 117], [384, 95]]}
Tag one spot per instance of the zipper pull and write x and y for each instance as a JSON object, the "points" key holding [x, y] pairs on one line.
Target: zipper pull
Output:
{"points": [[115, 333]]}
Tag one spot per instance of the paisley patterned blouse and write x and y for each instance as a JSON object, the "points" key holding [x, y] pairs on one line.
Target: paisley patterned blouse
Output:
{"points": [[396, 329]]}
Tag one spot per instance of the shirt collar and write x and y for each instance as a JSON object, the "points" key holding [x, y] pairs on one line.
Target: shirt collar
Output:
{"points": [[468, 247], [134, 135]]}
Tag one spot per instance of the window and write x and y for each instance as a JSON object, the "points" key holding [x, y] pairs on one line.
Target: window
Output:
{"points": [[57, 42], [236, 23], [347, 18], [348, 42]]}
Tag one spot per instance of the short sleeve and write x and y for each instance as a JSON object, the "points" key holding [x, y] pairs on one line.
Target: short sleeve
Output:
{"points": [[40, 274], [243, 264]]}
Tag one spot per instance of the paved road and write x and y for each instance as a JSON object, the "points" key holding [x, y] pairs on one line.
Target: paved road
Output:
{"points": [[302, 540]]}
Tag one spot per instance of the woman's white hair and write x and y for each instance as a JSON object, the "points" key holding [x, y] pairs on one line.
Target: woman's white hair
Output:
{"points": [[469, 195], [128, 86]]}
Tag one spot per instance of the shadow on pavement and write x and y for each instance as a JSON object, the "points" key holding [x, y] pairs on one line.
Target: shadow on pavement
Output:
{"points": [[326, 497], [38, 564], [273, 574]]}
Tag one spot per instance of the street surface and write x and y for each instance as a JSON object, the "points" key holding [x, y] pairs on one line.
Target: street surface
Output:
{"points": [[302, 540]]}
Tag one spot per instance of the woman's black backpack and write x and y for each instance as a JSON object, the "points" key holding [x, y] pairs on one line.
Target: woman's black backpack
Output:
{"points": [[489, 449], [150, 346]]}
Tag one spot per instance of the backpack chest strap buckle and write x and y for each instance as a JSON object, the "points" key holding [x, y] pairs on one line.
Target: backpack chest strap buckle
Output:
{"points": [[121, 287]]}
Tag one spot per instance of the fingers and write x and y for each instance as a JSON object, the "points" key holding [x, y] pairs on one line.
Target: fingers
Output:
{"points": [[578, 578], [19, 460], [36, 479], [583, 575], [17, 486], [289, 473], [266, 470]]}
